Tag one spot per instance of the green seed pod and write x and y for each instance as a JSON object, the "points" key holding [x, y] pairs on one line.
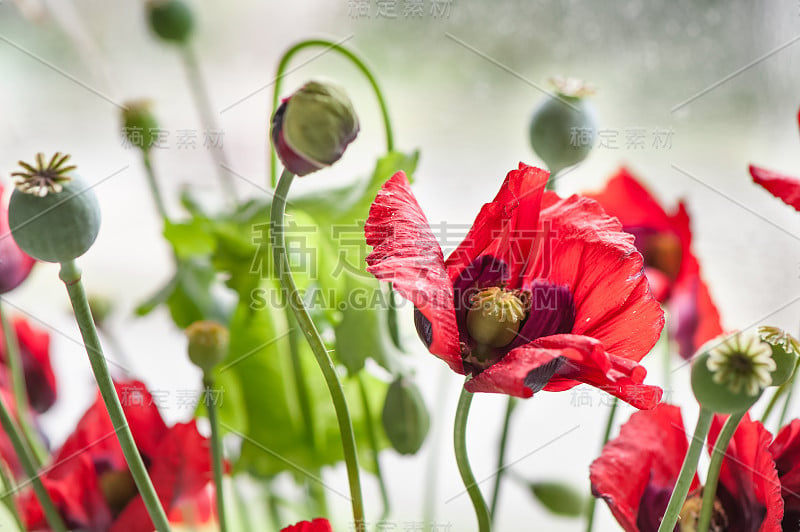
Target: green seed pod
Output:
{"points": [[54, 216], [208, 344], [405, 417], [563, 127], [172, 20], [139, 124], [559, 498], [785, 351], [312, 128], [730, 374]]}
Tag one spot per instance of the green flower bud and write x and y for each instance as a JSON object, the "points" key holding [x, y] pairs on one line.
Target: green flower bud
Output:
{"points": [[405, 417], [312, 128], [101, 308], [208, 344], [139, 125], [559, 498], [54, 216], [563, 127], [172, 20], [785, 351], [730, 374]]}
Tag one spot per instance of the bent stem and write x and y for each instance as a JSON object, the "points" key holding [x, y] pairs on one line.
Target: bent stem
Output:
{"points": [[606, 436], [688, 470], [317, 346], [357, 61], [216, 450], [19, 391], [460, 446], [70, 274], [501, 455], [26, 461], [8, 501], [710, 489]]}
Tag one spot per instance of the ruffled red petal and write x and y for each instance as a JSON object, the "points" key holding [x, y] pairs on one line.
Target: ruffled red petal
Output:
{"points": [[180, 471], [317, 525], [785, 450], [779, 185], [40, 381], [649, 451], [748, 476], [506, 227], [590, 255], [626, 199], [406, 253]]}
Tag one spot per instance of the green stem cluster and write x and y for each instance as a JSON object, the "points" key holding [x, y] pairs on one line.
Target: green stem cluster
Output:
{"points": [[71, 276], [306, 324], [710, 489]]}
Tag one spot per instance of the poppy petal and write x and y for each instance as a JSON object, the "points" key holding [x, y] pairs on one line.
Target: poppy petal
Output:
{"points": [[785, 450], [749, 488], [15, 265], [406, 253], [626, 199], [317, 525], [779, 185], [654, 443], [40, 381]]}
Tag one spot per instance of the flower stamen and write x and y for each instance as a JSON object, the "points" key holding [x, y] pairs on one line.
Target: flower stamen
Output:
{"points": [[742, 361], [43, 178], [495, 316]]}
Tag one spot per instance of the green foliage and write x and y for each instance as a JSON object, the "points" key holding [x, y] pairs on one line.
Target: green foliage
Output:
{"points": [[559, 498]]}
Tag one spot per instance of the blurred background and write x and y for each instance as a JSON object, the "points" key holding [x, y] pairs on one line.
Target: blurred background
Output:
{"points": [[461, 82]]}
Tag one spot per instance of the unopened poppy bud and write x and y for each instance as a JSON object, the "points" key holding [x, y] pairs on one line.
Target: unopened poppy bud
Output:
{"points": [[559, 498], [172, 20], [405, 417], [139, 124], [563, 127], [785, 352], [729, 374], [208, 344], [312, 128], [54, 216]]}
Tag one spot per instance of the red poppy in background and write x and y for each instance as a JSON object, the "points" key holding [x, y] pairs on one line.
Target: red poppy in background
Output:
{"points": [[40, 381], [317, 525], [92, 487], [781, 186], [636, 473], [665, 241], [785, 450], [14, 264], [544, 293]]}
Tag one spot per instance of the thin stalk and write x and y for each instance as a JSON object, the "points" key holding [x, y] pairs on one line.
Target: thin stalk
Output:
{"points": [[710, 489], [501, 455], [216, 450], [372, 434], [203, 104], [8, 501], [688, 470], [155, 190], [462, 460], [19, 390], [71, 275], [357, 61], [317, 346], [26, 461], [779, 392], [786, 404], [606, 436]]}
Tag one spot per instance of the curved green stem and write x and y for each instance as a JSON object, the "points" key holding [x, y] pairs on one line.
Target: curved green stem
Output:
{"points": [[710, 489], [216, 450], [71, 275], [688, 470], [155, 190], [606, 436], [203, 104], [26, 461], [357, 61], [786, 404], [8, 501], [19, 391], [372, 434], [501, 455], [317, 346], [460, 445]]}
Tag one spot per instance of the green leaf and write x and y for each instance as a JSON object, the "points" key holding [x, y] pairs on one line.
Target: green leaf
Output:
{"points": [[190, 239], [559, 498]]}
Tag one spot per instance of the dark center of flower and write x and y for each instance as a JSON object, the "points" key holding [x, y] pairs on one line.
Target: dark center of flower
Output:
{"points": [[690, 514], [118, 488], [495, 317], [660, 249]]}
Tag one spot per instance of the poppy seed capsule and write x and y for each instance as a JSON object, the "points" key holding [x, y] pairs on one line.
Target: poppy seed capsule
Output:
{"points": [[495, 317], [785, 351], [208, 344], [139, 124], [54, 216], [563, 126], [312, 128], [172, 20]]}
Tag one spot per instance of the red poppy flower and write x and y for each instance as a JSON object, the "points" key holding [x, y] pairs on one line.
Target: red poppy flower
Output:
{"points": [[14, 264], [92, 487], [544, 293], [40, 381], [665, 241], [785, 450], [317, 525], [781, 186], [636, 473]]}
